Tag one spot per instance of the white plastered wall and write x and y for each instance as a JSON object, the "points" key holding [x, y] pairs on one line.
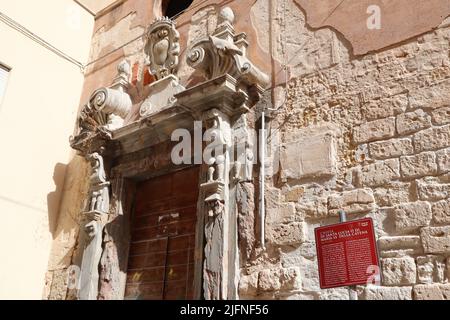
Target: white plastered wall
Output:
{"points": [[37, 117]]}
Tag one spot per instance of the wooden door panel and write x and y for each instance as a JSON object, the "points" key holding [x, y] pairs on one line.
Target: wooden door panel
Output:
{"points": [[161, 262]]}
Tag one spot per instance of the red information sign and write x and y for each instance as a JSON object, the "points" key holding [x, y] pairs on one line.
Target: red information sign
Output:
{"points": [[347, 253]]}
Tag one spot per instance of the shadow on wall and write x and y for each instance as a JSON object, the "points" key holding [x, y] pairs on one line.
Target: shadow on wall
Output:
{"points": [[54, 198], [64, 208]]}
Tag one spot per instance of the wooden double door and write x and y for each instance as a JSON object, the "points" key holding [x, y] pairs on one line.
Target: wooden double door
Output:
{"points": [[162, 251]]}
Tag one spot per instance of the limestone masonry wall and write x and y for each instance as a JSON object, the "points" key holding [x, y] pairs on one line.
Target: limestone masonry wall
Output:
{"points": [[368, 134]]}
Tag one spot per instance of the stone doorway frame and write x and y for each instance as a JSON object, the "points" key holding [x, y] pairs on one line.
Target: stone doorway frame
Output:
{"points": [[125, 164], [141, 150]]}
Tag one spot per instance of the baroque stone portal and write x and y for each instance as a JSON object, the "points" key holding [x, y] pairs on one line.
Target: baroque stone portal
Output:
{"points": [[233, 86]]}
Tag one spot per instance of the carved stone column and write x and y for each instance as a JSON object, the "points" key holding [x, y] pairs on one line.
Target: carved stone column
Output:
{"points": [[216, 191], [93, 221]]}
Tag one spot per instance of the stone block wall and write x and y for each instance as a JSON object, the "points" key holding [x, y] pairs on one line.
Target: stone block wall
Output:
{"points": [[370, 135]]}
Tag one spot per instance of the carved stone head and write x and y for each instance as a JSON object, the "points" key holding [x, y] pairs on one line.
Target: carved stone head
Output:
{"points": [[98, 170], [162, 48]]}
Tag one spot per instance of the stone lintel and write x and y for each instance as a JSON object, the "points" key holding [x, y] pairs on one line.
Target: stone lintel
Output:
{"points": [[151, 130], [222, 93]]}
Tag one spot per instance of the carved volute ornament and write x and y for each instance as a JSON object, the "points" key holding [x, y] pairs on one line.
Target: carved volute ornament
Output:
{"points": [[224, 52], [105, 111]]}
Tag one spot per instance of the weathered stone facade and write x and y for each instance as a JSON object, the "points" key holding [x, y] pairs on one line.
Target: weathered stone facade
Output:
{"points": [[368, 134]]}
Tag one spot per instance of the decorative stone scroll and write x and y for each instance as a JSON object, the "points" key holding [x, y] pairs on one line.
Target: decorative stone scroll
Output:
{"points": [[105, 111], [162, 51], [94, 219], [224, 52]]}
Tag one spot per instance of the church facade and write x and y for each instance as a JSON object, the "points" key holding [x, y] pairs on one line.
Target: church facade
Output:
{"points": [[214, 136]]}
